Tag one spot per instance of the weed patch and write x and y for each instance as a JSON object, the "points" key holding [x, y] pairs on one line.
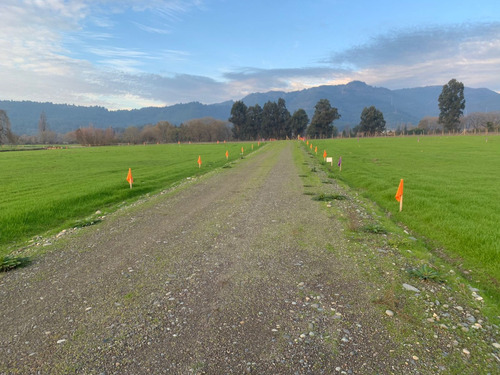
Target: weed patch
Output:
{"points": [[329, 197], [425, 272], [86, 223], [8, 263], [389, 300], [374, 228]]}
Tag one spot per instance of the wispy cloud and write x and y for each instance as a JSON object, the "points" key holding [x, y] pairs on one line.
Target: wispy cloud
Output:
{"points": [[428, 56], [153, 30], [170, 10], [248, 80], [64, 51], [38, 64]]}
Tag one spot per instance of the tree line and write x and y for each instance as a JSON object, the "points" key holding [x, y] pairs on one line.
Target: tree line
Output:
{"points": [[275, 121], [272, 121], [205, 129]]}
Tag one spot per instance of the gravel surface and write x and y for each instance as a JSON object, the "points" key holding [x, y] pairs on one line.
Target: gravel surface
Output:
{"points": [[237, 272]]}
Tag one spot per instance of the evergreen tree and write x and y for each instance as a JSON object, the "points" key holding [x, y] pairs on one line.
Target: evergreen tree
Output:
{"points": [[322, 122], [283, 120], [269, 120], [253, 122], [372, 121], [238, 119], [298, 122], [451, 104]]}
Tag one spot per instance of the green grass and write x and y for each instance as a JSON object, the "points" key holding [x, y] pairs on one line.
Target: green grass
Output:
{"points": [[51, 189], [451, 193], [8, 263]]}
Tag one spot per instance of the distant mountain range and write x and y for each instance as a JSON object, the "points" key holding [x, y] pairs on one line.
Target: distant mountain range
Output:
{"points": [[404, 106]]}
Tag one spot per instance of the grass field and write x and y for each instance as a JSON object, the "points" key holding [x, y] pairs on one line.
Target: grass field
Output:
{"points": [[451, 192], [49, 189]]}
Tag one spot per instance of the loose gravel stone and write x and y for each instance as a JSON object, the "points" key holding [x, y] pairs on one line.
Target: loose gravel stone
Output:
{"points": [[411, 288]]}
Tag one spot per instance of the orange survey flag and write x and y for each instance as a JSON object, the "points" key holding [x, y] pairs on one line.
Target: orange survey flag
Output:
{"points": [[130, 179], [324, 154], [311, 146], [227, 154], [316, 149], [242, 150], [199, 161], [399, 193]]}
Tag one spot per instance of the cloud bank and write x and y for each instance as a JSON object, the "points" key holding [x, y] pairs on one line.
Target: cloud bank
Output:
{"points": [[63, 51]]}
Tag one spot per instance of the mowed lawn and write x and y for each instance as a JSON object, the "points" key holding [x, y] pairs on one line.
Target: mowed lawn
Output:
{"points": [[451, 191], [49, 189]]}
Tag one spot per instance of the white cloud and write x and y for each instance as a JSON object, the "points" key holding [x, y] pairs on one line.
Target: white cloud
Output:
{"points": [[37, 63], [62, 51], [153, 30], [428, 56]]}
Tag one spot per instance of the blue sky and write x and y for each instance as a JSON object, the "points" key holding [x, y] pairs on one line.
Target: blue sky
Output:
{"points": [[130, 54]]}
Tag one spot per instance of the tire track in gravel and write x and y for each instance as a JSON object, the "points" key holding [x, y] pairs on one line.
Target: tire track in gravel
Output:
{"points": [[238, 273]]}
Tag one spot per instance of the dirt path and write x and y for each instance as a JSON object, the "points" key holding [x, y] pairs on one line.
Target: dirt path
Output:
{"points": [[240, 272]]}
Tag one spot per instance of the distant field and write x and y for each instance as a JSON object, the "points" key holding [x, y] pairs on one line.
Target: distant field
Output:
{"points": [[451, 191], [47, 189]]}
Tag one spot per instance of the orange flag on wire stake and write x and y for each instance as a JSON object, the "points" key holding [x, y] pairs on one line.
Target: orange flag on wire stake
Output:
{"points": [[130, 179], [324, 155], [242, 150], [199, 161], [399, 195], [316, 150], [227, 154]]}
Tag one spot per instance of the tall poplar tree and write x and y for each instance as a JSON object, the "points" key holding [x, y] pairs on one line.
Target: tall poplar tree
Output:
{"points": [[238, 119], [451, 104], [6, 135], [298, 122]]}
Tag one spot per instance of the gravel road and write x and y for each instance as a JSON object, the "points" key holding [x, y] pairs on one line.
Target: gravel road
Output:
{"points": [[237, 272]]}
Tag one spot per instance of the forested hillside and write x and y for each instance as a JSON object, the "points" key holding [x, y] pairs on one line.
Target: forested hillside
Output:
{"points": [[400, 107]]}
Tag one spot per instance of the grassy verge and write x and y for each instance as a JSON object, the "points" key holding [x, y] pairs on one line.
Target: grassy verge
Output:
{"points": [[52, 189], [451, 195], [445, 316]]}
